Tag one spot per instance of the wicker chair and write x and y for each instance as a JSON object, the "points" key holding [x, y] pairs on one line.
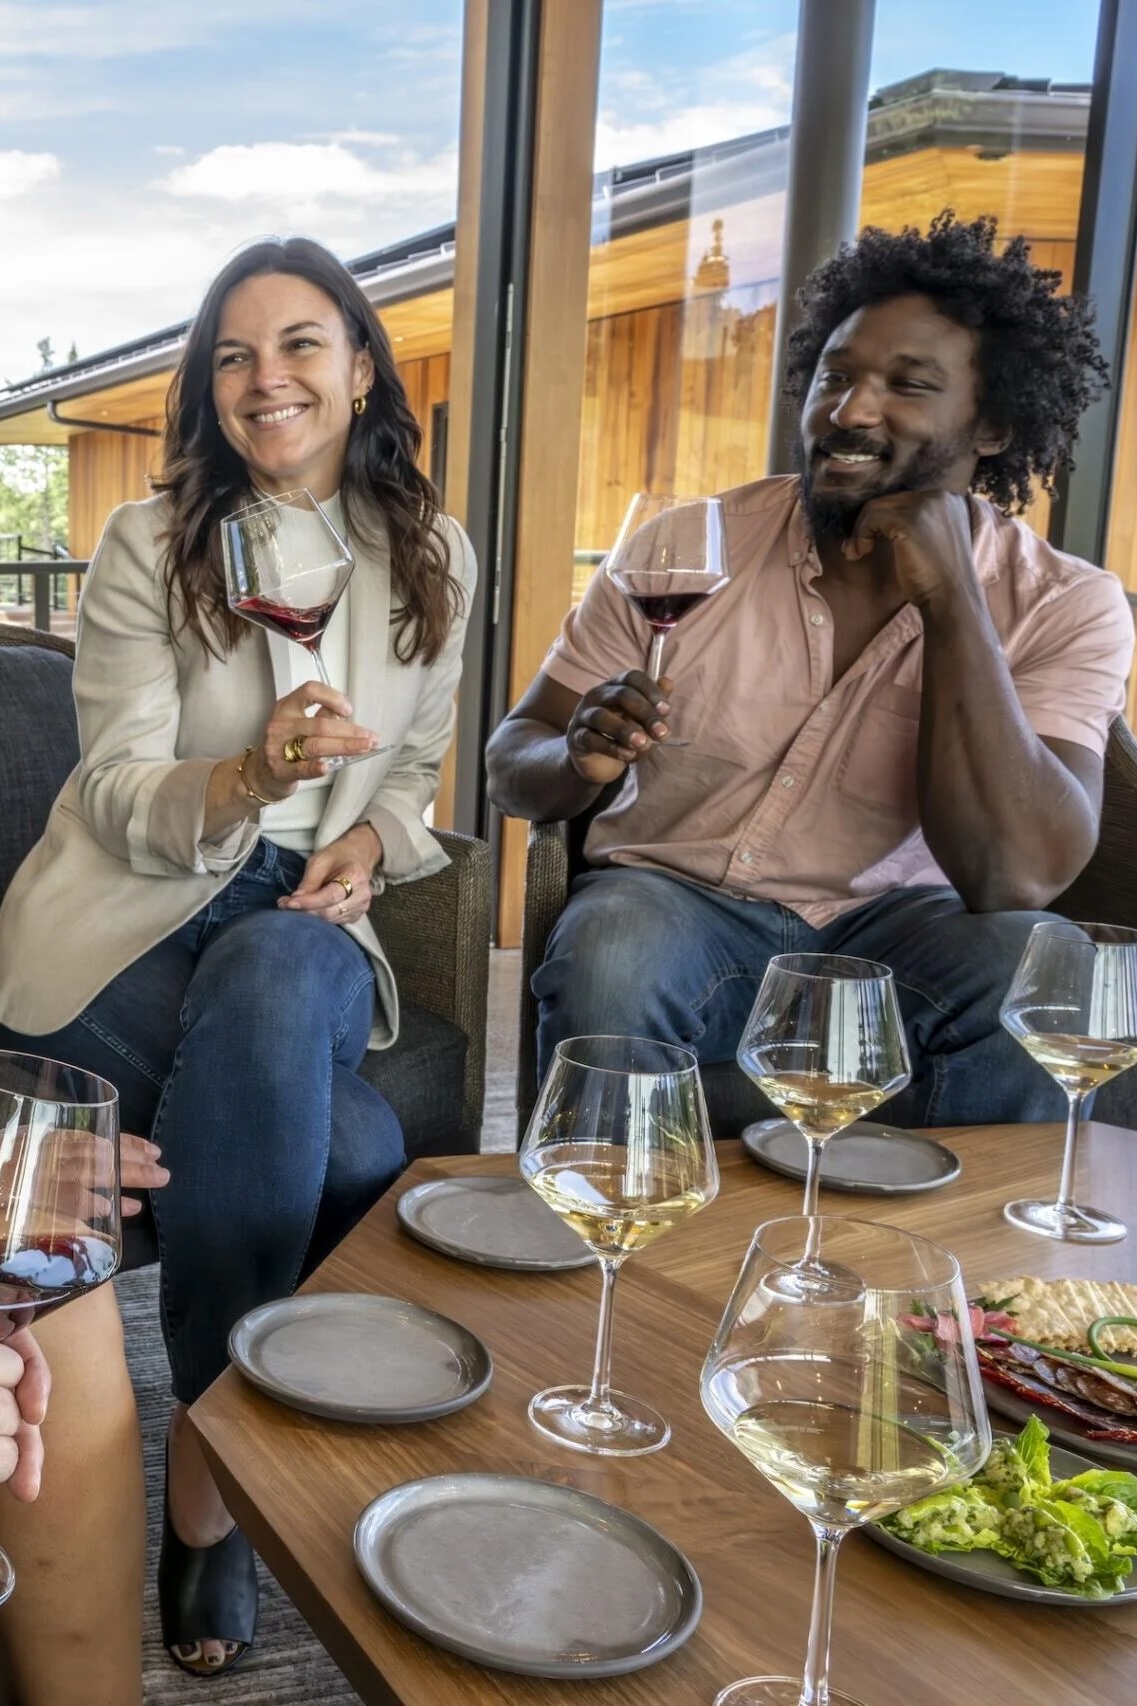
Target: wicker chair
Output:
{"points": [[1106, 892], [436, 932]]}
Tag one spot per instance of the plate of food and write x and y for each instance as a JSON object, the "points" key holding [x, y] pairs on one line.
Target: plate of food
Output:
{"points": [[1065, 1350], [1037, 1523]]}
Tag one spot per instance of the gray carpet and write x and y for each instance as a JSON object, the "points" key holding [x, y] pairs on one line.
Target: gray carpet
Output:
{"points": [[288, 1667]]}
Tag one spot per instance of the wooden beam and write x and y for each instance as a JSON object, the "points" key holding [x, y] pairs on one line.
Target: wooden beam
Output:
{"points": [[556, 321], [475, 33]]}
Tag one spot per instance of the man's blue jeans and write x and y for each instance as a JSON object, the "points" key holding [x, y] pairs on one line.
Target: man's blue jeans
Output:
{"points": [[639, 953], [234, 1044]]}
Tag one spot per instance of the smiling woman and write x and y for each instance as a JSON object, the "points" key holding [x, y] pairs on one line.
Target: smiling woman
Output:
{"points": [[201, 845]]}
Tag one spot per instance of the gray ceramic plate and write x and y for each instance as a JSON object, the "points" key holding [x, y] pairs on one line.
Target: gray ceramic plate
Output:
{"points": [[355, 1358], [498, 1223], [994, 1574], [526, 1576], [1063, 1430], [878, 1159]]}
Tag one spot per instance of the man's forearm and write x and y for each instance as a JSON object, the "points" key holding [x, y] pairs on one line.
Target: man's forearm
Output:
{"points": [[530, 775], [1008, 823]]}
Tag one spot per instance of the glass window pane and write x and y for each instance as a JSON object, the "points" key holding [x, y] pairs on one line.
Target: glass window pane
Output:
{"points": [[1001, 132], [691, 152]]}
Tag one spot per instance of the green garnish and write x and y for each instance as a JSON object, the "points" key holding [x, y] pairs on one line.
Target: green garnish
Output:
{"points": [[1099, 1326], [1101, 1364], [1079, 1535]]}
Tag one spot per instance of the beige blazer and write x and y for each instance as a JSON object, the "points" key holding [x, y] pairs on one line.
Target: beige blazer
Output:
{"points": [[122, 862]]}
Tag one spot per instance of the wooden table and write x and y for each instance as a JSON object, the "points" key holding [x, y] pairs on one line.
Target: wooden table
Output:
{"points": [[901, 1635]]}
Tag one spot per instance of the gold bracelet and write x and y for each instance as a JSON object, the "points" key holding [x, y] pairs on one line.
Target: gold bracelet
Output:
{"points": [[249, 789]]}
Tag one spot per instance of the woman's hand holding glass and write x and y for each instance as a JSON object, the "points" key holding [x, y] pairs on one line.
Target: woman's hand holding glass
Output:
{"points": [[300, 740]]}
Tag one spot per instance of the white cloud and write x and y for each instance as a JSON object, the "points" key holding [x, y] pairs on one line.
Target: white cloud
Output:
{"points": [[644, 115], [20, 172], [292, 173], [110, 29]]}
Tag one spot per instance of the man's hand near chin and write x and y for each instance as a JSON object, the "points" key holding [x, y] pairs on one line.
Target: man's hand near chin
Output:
{"points": [[927, 534]]}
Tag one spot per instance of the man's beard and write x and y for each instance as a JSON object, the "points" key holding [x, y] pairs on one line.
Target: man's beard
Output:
{"points": [[834, 515]]}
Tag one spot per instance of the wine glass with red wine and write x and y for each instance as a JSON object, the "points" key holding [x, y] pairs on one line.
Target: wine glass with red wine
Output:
{"points": [[60, 1218], [668, 559], [286, 568]]}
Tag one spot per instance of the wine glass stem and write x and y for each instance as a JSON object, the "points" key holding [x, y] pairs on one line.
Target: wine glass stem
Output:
{"points": [[655, 655], [815, 1683], [317, 657], [812, 1186], [599, 1398], [1070, 1154]]}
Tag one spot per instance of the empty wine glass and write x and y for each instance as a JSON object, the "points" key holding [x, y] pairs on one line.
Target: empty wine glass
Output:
{"points": [[1073, 1007], [669, 556], [852, 1399], [286, 568], [620, 1147], [60, 1224], [825, 1042]]}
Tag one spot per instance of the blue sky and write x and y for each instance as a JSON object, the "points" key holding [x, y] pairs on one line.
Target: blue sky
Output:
{"points": [[141, 141]]}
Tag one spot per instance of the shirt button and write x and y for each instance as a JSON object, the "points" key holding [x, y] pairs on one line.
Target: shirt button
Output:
{"points": [[817, 619], [787, 781], [745, 858]]}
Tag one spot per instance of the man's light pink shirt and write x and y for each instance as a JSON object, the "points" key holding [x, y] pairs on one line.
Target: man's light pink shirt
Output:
{"points": [[799, 789]]}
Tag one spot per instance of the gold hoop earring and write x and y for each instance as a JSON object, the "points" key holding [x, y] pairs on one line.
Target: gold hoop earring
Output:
{"points": [[358, 406]]}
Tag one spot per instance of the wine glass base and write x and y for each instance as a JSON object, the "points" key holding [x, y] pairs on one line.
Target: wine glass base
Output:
{"points": [[626, 1428], [7, 1578], [773, 1691], [813, 1282], [338, 762], [1071, 1223]]}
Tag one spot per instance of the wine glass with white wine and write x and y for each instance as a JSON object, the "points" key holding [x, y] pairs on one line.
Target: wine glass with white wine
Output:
{"points": [[825, 1042], [620, 1147], [852, 1399], [1073, 1007]]}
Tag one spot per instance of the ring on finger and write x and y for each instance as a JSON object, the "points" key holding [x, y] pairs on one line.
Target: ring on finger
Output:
{"points": [[345, 884], [294, 749]]}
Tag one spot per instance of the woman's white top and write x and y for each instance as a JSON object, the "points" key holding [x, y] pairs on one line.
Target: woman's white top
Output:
{"points": [[293, 822]]}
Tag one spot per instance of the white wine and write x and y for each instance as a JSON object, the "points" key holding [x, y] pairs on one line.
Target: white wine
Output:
{"points": [[837, 1463], [819, 1104], [1080, 1064], [613, 1204]]}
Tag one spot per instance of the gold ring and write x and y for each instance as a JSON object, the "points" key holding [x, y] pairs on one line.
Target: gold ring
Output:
{"points": [[294, 749], [345, 884]]}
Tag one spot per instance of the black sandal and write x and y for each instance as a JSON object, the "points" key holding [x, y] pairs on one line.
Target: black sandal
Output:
{"points": [[206, 1593]]}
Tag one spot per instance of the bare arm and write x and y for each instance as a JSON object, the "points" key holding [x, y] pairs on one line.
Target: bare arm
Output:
{"points": [[557, 749], [1010, 817]]}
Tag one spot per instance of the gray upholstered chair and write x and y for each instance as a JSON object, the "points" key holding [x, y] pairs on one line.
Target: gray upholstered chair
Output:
{"points": [[1106, 892], [436, 932]]}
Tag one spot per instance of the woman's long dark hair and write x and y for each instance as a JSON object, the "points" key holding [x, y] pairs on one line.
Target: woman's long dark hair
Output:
{"points": [[204, 478]]}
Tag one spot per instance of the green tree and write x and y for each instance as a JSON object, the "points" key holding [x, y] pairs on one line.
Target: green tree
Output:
{"points": [[33, 490]]}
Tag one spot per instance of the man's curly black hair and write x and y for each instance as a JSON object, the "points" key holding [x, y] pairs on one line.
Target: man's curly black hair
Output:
{"points": [[1039, 359]]}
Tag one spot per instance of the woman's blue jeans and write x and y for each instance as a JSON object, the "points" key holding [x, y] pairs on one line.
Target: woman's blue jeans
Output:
{"points": [[234, 1043]]}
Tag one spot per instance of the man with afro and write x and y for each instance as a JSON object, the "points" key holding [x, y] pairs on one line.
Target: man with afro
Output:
{"points": [[897, 709]]}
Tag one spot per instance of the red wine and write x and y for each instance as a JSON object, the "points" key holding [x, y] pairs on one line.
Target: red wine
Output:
{"points": [[304, 625], [663, 609], [44, 1275]]}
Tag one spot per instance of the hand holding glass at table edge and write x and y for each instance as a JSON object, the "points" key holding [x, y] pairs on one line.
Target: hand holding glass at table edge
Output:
{"points": [[60, 1212]]}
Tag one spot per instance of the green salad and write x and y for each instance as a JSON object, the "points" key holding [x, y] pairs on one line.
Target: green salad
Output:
{"points": [[1080, 1534]]}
